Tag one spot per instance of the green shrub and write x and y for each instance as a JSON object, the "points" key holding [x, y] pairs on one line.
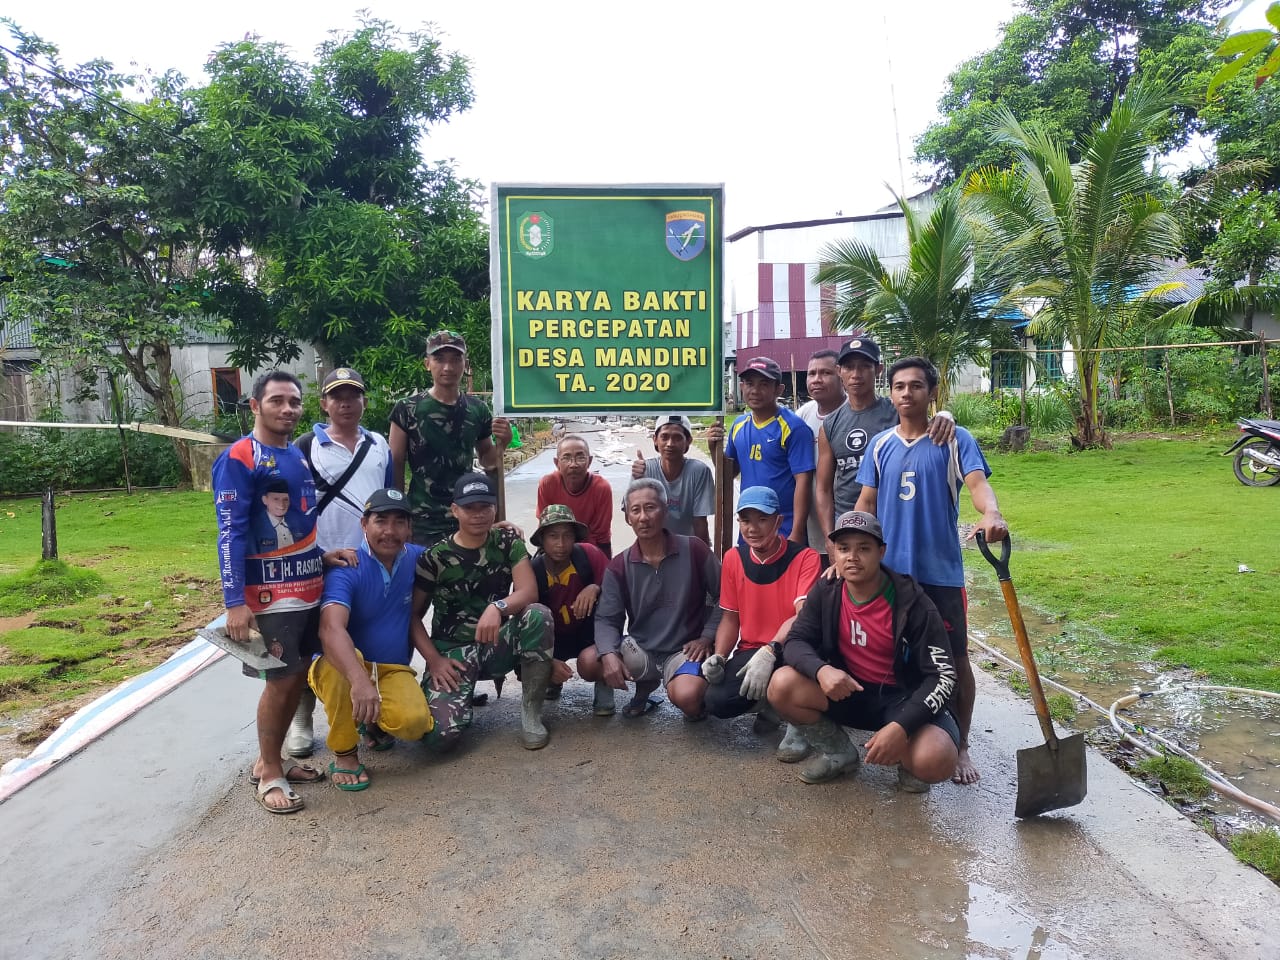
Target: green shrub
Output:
{"points": [[31, 460], [972, 410]]}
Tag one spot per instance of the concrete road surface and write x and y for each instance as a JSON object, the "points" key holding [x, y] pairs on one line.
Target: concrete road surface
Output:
{"points": [[623, 838]]}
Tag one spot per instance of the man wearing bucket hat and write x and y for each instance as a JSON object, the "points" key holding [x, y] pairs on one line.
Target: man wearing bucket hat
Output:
{"points": [[569, 572], [438, 432], [368, 637], [763, 584], [868, 650], [690, 483], [486, 617]]}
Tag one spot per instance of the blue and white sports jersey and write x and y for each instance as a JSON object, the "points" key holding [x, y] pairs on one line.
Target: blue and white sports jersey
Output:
{"points": [[918, 488], [770, 454]]}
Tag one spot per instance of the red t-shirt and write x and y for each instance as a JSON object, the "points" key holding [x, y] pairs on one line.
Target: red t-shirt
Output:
{"points": [[562, 590], [593, 506], [764, 594], [866, 636]]}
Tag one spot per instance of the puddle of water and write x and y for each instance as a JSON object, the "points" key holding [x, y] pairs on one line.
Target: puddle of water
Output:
{"points": [[997, 928], [1236, 735]]}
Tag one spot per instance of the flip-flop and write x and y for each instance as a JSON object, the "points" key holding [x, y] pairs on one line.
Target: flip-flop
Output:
{"points": [[349, 787], [313, 774], [640, 708], [279, 783]]}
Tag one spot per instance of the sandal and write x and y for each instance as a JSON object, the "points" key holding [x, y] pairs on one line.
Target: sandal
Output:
{"points": [[638, 708], [279, 783], [357, 772], [309, 774]]}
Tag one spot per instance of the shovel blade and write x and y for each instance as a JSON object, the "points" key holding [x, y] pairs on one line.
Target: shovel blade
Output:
{"points": [[1049, 778]]}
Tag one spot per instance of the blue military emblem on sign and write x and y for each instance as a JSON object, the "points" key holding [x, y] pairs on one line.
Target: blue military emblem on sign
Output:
{"points": [[686, 233]]}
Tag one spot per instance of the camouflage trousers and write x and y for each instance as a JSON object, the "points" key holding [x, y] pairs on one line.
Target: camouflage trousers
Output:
{"points": [[526, 638]]}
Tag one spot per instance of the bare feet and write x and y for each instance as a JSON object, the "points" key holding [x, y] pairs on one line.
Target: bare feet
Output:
{"points": [[966, 772]]}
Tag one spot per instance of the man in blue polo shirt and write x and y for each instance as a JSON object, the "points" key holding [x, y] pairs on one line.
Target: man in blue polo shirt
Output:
{"points": [[368, 636]]}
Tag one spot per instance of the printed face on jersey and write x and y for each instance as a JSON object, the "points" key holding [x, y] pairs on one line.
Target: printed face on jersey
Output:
{"points": [[859, 376], [856, 557], [760, 393], [910, 393], [822, 380], [759, 530], [279, 409], [671, 442], [387, 533], [645, 514], [558, 541], [277, 504]]}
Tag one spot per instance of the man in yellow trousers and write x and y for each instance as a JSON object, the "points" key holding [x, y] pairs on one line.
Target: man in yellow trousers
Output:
{"points": [[368, 636]]}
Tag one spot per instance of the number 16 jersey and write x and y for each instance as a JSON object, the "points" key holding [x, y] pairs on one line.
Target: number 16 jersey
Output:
{"points": [[918, 488]]}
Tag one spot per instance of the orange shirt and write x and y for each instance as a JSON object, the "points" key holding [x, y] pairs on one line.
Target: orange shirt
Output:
{"points": [[594, 506], [764, 594]]}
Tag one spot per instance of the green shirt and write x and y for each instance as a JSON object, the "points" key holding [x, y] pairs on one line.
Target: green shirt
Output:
{"points": [[441, 446], [460, 583]]}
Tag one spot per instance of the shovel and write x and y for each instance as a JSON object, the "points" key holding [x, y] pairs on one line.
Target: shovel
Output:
{"points": [[1053, 776], [254, 652]]}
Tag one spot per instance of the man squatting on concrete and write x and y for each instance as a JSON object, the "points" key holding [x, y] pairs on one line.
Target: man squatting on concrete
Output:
{"points": [[868, 650], [665, 591], [763, 585], [267, 585], [363, 677], [347, 464], [486, 618]]}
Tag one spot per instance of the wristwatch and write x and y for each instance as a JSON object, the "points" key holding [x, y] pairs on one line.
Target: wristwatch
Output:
{"points": [[776, 647], [501, 606]]}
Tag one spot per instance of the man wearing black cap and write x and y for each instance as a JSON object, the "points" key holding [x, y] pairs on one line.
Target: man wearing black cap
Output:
{"points": [[368, 637], [770, 445], [869, 650], [486, 617], [438, 432], [848, 429]]}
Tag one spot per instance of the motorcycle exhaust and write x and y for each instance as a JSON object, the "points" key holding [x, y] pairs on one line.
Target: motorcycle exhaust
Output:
{"points": [[1263, 459]]}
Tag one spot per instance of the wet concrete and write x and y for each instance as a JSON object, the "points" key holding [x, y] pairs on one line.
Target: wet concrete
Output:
{"points": [[623, 838]]}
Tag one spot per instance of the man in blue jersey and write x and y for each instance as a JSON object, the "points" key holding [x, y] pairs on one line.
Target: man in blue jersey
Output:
{"points": [[919, 508], [272, 583], [770, 446], [368, 637]]}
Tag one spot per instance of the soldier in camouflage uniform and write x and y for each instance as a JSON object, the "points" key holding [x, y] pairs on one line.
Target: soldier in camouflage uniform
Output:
{"points": [[438, 432], [486, 619]]}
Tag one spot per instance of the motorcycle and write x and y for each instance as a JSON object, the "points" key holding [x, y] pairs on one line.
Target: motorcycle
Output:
{"points": [[1257, 462]]}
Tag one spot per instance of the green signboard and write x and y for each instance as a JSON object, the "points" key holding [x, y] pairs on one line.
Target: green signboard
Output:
{"points": [[607, 300]]}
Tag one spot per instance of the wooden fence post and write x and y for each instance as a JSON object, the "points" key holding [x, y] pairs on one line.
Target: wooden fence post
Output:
{"points": [[48, 527], [1266, 375]]}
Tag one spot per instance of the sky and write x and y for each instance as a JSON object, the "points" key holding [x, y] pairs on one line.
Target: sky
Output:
{"points": [[790, 105]]}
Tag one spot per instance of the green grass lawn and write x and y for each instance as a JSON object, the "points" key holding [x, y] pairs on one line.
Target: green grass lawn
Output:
{"points": [[63, 633], [1143, 543]]}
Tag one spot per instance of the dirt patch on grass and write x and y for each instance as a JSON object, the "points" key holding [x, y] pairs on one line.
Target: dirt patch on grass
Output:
{"points": [[20, 622]]}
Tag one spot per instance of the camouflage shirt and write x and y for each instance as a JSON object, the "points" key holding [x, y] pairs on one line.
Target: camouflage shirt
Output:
{"points": [[441, 445], [460, 583]]}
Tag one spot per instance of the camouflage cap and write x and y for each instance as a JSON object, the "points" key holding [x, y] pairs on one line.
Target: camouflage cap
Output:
{"points": [[558, 513], [446, 340]]}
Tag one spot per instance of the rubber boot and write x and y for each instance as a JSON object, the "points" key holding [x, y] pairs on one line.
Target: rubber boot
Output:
{"points": [[909, 783], [300, 740], [604, 705], [834, 752], [766, 721], [794, 747], [535, 675]]}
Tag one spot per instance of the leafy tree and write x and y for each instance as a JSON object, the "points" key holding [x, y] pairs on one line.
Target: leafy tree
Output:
{"points": [[98, 231], [1058, 67], [1079, 241], [927, 307], [1241, 49], [360, 247]]}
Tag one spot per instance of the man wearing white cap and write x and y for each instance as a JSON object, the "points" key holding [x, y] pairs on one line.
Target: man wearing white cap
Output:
{"points": [[691, 487]]}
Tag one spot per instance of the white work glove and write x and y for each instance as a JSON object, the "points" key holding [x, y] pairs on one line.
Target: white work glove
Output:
{"points": [[713, 668], [755, 675]]}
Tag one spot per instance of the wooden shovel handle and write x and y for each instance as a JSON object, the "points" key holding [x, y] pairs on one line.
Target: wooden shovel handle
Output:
{"points": [[1001, 564]]}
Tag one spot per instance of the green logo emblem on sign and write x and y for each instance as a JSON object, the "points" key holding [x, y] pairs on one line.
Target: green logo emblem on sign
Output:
{"points": [[537, 234]]}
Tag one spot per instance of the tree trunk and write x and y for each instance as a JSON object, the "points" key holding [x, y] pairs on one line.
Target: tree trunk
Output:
{"points": [[167, 404], [1091, 432]]}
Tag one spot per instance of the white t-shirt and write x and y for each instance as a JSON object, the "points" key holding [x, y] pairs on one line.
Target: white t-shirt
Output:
{"points": [[339, 525]]}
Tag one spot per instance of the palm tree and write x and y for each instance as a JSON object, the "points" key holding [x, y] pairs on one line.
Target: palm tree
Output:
{"points": [[927, 307], [1080, 241]]}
